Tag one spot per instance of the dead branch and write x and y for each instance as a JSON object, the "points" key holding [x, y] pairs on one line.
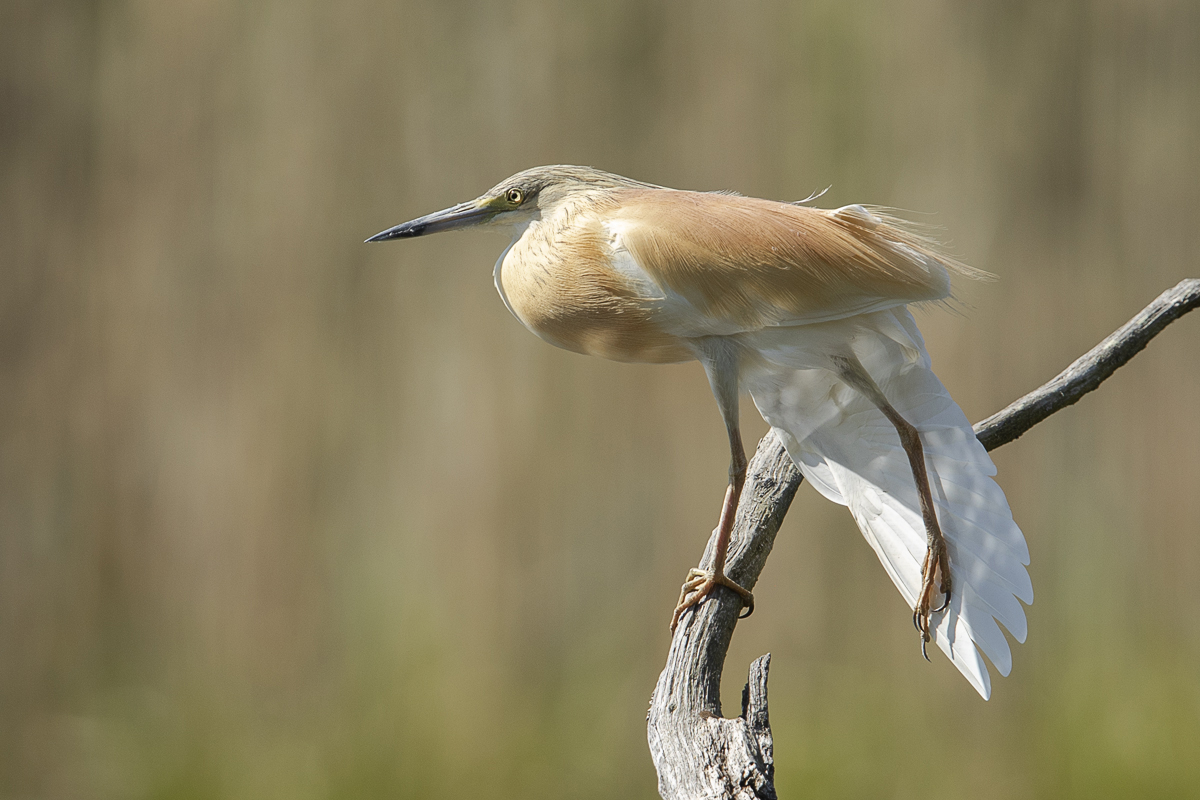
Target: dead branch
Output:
{"points": [[700, 754]]}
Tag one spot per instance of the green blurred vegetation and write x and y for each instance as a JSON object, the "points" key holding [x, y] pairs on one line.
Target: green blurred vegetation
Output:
{"points": [[284, 515]]}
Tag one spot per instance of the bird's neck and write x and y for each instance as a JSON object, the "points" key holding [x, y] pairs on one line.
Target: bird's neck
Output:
{"points": [[539, 236]]}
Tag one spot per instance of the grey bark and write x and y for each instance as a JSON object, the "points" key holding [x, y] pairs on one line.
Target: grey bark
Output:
{"points": [[700, 754]]}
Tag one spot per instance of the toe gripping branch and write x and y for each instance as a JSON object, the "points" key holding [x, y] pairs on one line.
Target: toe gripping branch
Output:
{"points": [[699, 584]]}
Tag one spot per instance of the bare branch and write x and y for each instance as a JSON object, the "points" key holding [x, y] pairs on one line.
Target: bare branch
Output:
{"points": [[1091, 369], [699, 754]]}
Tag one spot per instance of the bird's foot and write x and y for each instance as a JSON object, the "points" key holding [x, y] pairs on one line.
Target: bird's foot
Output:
{"points": [[701, 582], [935, 580]]}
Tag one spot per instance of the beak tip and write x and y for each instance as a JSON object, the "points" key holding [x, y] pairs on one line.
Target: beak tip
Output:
{"points": [[405, 231]]}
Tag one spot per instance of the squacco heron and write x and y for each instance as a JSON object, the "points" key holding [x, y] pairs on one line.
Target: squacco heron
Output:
{"points": [[806, 309]]}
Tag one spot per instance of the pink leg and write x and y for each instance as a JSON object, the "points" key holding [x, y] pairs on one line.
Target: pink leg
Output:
{"points": [[701, 582]]}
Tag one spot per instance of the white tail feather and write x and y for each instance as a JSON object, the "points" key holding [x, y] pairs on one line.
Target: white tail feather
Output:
{"points": [[852, 455]]}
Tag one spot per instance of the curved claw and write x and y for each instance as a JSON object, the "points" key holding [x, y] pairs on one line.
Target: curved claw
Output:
{"points": [[945, 604], [936, 563]]}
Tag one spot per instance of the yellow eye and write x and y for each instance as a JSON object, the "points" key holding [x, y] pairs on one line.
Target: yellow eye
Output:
{"points": [[514, 196]]}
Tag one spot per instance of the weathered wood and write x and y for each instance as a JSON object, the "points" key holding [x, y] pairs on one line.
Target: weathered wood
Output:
{"points": [[700, 754], [696, 751]]}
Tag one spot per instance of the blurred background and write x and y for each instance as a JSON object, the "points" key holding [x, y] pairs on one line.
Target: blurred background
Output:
{"points": [[287, 516]]}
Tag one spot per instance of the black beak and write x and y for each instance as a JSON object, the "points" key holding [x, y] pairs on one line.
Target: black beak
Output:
{"points": [[460, 216]]}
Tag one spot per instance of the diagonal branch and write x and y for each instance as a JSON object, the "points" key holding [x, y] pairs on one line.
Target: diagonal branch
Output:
{"points": [[1090, 369], [699, 754]]}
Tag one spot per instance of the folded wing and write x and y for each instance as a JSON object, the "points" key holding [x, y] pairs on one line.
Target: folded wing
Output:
{"points": [[741, 263]]}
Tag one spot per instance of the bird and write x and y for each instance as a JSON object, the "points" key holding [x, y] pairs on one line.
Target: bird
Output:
{"points": [[806, 310]]}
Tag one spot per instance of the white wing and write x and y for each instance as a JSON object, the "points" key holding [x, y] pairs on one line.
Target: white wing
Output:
{"points": [[852, 455]]}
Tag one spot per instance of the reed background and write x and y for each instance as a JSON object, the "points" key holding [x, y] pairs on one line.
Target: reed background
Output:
{"points": [[285, 515]]}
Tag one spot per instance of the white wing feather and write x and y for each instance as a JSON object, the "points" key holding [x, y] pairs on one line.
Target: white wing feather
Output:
{"points": [[852, 455]]}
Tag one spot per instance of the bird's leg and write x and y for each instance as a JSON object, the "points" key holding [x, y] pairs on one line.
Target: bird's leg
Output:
{"points": [[701, 582], [935, 569], [722, 374]]}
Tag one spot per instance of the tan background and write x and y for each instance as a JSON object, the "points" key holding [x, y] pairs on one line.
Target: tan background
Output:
{"points": [[287, 516]]}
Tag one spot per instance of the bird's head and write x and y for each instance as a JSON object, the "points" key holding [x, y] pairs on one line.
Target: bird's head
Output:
{"points": [[514, 202]]}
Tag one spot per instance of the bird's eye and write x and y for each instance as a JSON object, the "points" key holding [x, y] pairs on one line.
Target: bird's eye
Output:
{"points": [[514, 196]]}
